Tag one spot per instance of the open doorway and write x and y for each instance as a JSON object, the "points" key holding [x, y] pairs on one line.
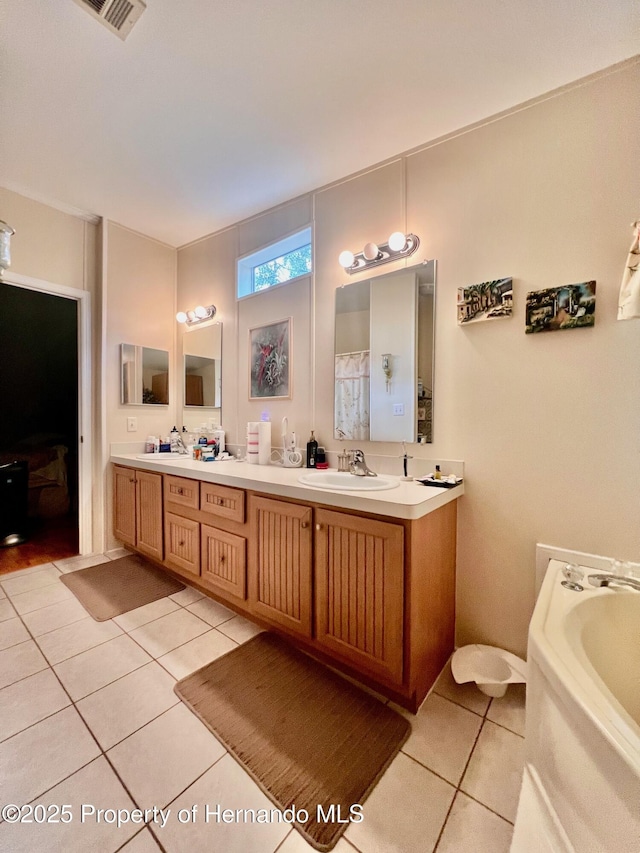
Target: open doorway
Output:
{"points": [[39, 421]]}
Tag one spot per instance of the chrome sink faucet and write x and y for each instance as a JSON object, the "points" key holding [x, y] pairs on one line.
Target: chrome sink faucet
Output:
{"points": [[358, 465], [182, 447], [614, 580]]}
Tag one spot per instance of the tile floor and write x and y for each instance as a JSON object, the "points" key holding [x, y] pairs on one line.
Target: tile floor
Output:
{"points": [[89, 719]]}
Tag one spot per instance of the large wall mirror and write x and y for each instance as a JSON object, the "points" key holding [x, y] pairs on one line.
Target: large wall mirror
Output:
{"points": [[202, 365], [144, 376], [384, 356]]}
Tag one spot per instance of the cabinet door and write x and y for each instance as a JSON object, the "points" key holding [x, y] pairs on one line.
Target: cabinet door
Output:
{"points": [[359, 582], [183, 544], [149, 514], [280, 563], [124, 504], [223, 561]]}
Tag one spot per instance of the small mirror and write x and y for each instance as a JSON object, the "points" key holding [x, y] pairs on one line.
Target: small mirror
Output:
{"points": [[384, 348], [202, 352], [145, 376]]}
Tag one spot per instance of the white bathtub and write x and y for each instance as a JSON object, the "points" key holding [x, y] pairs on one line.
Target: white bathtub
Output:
{"points": [[581, 785]]}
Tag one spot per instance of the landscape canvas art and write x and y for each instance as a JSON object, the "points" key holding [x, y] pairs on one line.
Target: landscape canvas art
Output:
{"points": [[270, 361], [567, 307], [486, 301]]}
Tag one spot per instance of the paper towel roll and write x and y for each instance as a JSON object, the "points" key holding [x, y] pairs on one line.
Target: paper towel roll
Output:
{"points": [[259, 442]]}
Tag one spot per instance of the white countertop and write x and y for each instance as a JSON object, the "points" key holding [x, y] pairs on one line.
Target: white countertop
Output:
{"points": [[409, 500]]}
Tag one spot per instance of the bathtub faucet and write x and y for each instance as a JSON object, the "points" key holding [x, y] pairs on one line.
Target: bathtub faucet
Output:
{"points": [[614, 580]]}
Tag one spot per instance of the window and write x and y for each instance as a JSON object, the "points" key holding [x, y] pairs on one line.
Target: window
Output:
{"points": [[277, 263]]}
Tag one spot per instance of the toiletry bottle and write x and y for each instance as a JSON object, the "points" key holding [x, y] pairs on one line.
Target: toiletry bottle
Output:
{"points": [[312, 451], [437, 475]]}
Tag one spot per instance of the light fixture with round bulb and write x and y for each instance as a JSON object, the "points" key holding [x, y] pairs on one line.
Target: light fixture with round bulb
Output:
{"points": [[370, 251], [346, 258], [201, 312], [181, 317], [397, 241]]}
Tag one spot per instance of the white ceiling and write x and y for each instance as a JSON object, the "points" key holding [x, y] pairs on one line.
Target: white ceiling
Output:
{"points": [[213, 110]]}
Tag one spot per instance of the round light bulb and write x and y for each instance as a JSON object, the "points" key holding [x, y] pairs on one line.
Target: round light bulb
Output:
{"points": [[181, 317], [201, 312], [191, 316], [370, 251], [397, 241], [346, 258]]}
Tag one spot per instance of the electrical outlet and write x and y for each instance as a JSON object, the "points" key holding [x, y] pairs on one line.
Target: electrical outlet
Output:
{"points": [[398, 408], [132, 424]]}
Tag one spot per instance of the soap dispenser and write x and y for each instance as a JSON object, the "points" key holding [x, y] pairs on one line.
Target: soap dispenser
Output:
{"points": [[312, 451]]}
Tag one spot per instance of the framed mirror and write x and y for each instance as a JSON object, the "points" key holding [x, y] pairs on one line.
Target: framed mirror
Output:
{"points": [[384, 356], [144, 376], [202, 366]]}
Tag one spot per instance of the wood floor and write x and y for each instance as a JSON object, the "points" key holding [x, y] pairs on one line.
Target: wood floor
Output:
{"points": [[49, 539]]}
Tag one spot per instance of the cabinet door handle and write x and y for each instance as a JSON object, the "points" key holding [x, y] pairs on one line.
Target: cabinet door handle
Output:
{"points": [[179, 491], [181, 544], [304, 524], [319, 526], [132, 479]]}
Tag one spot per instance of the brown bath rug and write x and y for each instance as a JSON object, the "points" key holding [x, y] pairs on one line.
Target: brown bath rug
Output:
{"points": [[113, 588], [309, 738]]}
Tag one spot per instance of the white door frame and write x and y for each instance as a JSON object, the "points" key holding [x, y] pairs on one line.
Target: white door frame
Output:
{"points": [[83, 300]]}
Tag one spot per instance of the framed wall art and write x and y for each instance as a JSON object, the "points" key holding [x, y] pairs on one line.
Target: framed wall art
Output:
{"points": [[567, 307], [486, 301], [270, 361]]}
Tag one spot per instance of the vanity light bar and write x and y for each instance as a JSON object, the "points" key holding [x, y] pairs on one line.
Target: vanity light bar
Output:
{"points": [[398, 246], [196, 315]]}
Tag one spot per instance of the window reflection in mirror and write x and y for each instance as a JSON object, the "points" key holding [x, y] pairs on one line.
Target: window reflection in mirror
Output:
{"points": [[202, 360], [384, 356], [144, 376]]}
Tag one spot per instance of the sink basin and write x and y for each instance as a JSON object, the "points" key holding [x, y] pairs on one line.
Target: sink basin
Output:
{"points": [[338, 481]]}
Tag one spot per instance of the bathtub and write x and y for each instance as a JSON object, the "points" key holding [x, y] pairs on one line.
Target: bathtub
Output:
{"points": [[581, 783]]}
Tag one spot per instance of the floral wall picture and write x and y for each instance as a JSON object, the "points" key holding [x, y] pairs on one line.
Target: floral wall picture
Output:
{"points": [[486, 301], [270, 360], [567, 307]]}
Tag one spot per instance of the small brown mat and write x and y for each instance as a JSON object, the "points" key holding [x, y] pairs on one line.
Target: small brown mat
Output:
{"points": [[308, 737], [113, 588]]}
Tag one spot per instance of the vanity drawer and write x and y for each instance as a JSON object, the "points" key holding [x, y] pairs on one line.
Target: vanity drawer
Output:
{"points": [[223, 501], [180, 490]]}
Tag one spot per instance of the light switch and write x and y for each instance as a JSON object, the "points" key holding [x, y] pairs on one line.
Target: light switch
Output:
{"points": [[398, 408], [132, 424]]}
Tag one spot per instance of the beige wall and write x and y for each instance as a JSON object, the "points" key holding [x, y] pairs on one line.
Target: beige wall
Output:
{"points": [[139, 307], [547, 424]]}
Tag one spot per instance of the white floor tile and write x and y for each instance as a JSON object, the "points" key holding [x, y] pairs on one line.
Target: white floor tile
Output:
{"points": [[95, 785], [2, 593], [442, 737], [26, 702], [466, 694], [25, 583], [240, 629], [169, 632], [64, 643], [186, 596], [12, 632], [74, 564], [160, 760], [43, 755], [195, 654], [25, 602], [54, 616], [143, 842], [405, 811], [470, 827], [20, 573], [19, 662], [494, 773], [7, 611], [95, 668], [147, 613], [211, 611], [509, 711], [227, 784], [129, 703]]}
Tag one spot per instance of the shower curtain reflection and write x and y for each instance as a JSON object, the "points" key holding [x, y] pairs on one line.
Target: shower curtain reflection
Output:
{"points": [[352, 395]]}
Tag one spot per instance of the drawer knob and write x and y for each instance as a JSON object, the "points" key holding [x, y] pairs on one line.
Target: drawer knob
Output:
{"points": [[318, 526], [181, 544], [179, 491]]}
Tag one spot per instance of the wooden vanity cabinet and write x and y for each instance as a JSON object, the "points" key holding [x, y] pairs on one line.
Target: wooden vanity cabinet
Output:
{"points": [[359, 591], [137, 510], [280, 568]]}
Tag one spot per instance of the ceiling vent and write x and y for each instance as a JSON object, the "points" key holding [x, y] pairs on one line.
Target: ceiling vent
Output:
{"points": [[119, 16]]}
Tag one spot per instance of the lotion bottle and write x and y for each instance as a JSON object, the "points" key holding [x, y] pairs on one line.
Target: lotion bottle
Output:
{"points": [[312, 451]]}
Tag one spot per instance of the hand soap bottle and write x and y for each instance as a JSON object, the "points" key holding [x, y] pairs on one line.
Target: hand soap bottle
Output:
{"points": [[312, 451]]}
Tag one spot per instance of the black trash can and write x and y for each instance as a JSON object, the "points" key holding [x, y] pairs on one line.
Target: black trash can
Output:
{"points": [[14, 502]]}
